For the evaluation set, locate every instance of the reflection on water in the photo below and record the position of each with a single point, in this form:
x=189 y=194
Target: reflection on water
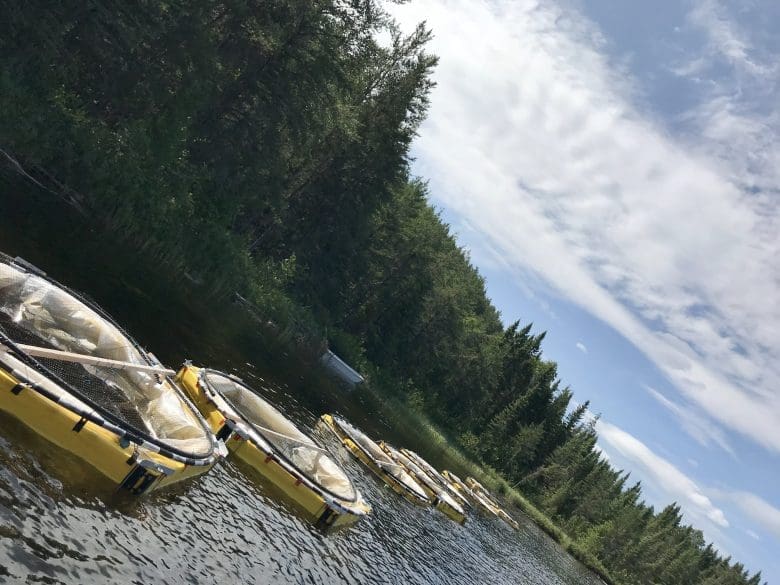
x=222 y=526
x=61 y=523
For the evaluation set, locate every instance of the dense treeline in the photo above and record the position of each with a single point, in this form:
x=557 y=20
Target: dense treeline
x=262 y=146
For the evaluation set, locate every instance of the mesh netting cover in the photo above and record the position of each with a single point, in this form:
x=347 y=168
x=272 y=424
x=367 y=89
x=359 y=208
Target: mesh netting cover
x=299 y=449
x=382 y=458
x=427 y=467
x=432 y=472
x=35 y=311
x=419 y=473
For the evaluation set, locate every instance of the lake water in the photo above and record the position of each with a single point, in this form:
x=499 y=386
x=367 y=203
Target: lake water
x=61 y=523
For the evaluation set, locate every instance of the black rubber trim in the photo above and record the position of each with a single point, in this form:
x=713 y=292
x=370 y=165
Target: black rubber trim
x=132 y=478
x=225 y=432
x=28 y=266
x=324 y=521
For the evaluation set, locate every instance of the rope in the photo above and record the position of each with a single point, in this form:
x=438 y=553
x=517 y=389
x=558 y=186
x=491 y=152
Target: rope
x=289 y=438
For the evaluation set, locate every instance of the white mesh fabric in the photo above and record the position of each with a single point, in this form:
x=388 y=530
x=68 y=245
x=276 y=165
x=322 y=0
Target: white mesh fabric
x=416 y=475
x=382 y=459
x=299 y=448
x=323 y=471
x=445 y=497
x=66 y=323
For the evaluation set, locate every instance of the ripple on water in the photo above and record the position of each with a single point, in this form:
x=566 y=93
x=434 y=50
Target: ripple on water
x=61 y=523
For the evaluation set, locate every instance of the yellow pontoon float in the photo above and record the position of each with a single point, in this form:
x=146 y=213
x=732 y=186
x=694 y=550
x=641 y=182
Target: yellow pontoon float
x=438 y=495
x=373 y=457
x=479 y=502
x=481 y=490
x=256 y=432
x=72 y=375
x=439 y=478
x=508 y=519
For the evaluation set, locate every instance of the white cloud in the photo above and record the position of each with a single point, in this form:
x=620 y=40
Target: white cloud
x=726 y=39
x=534 y=136
x=581 y=346
x=700 y=504
x=757 y=509
x=736 y=119
x=695 y=424
x=695 y=504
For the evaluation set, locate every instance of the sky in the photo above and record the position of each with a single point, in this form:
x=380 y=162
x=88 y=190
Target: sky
x=613 y=169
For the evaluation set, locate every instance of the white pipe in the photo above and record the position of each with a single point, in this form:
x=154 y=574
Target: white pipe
x=80 y=358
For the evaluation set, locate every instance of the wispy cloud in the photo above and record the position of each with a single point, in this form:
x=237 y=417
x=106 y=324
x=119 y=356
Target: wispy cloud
x=581 y=346
x=673 y=482
x=736 y=118
x=725 y=38
x=698 y=426
x=756 y=508
x=535 y=136
x=702 y=505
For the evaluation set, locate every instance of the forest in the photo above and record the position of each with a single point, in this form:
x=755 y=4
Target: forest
x=263 y=147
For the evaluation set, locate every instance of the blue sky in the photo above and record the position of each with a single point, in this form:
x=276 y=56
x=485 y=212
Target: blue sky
x=614 y=169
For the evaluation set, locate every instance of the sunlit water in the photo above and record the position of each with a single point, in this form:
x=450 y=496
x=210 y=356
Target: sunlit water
x=61 y=523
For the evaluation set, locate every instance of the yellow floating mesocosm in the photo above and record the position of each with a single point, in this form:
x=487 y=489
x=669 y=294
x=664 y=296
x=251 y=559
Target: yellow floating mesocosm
x=372 y=456
x=135 y=427
x=443 y=481
x=482 y=491
x=256 y=432
x=440 y=499
x=481 y=504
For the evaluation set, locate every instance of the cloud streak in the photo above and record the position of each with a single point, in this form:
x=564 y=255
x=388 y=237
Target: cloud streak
x=725 y=39
x=701 y=505
x=757 y=509
x=697 y=426
x=671 y=480
x=535 y=137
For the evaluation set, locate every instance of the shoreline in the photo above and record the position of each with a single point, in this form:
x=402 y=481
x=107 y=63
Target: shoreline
x=420 y=426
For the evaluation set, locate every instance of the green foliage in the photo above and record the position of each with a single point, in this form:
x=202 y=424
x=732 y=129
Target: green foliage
x=262 y=147
x=469 y=442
